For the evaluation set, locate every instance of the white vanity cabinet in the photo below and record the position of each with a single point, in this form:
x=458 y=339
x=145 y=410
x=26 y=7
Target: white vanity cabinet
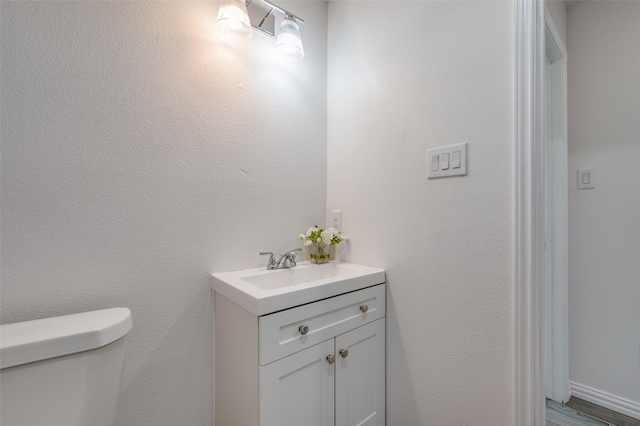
x=318 y=364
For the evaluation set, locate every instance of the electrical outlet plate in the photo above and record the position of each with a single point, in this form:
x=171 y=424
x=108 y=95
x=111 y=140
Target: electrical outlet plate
x=447 y=161
x=337 y=219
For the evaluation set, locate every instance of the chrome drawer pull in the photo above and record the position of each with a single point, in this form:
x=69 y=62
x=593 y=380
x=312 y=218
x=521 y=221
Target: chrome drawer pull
x=331 y=359
x=344 y=353
x=364 y=308
x=304 y=329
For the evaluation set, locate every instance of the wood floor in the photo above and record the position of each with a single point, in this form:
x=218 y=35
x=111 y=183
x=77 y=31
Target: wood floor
x=582 y=413
x=561 y=415
x=605 y=414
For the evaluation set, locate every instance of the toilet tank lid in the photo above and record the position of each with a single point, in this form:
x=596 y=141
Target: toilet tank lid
x=30 y=341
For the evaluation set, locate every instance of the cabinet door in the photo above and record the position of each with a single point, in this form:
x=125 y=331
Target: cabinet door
x=299 y=389
x=360 y=376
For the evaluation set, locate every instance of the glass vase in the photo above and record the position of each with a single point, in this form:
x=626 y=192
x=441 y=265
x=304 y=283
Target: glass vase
x=319 y=253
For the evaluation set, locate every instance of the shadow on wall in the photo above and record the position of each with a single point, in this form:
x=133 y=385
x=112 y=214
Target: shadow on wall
x=399 y=376
x=176 y=361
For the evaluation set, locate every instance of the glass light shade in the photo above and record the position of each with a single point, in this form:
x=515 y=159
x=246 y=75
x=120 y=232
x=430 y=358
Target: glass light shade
x=289 y=43
x=233 y=19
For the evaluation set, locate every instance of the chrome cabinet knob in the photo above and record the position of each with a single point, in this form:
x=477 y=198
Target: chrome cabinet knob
x=331 y=359
x=303 y=329
x=364 y=308
x=344 y=353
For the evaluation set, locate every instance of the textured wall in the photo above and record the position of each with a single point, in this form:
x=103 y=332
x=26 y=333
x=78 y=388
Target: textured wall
x=404 y=77
x=142 y=151
x=604 y=222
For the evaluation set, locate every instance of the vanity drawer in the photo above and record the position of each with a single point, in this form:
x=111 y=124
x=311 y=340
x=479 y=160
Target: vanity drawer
x=290 y=331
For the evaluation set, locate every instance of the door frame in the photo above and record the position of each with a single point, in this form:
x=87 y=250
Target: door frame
x=529 y=407
x=556 y=302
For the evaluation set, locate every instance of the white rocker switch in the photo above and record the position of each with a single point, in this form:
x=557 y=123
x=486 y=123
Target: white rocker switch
x=435 y=163
x=444 y=161
x=455 y=160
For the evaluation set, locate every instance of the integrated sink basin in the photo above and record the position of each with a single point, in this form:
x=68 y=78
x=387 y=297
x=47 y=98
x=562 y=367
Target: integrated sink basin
x=262 y=292
x=282 y=278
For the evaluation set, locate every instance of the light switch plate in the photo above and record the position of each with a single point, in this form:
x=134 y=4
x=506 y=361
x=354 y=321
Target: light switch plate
x=435 y=156
x=586 y=178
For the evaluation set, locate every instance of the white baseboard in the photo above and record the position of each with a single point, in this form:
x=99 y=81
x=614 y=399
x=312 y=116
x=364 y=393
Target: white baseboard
x=606 y=400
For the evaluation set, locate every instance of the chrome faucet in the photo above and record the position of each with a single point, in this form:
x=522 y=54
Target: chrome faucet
x=287 y=260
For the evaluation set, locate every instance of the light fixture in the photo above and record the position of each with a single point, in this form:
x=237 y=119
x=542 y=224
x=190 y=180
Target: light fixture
x=236 y=18
x=233 y=19
x=288 y=42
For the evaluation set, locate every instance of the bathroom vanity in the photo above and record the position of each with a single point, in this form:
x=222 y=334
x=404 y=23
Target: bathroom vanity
x=303 y=346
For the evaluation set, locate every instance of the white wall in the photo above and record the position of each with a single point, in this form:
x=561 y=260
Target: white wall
x=604 y=226
x=142 y=151
x=404 y=77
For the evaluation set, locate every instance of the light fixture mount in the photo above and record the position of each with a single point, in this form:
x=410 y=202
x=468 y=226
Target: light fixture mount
x=261 y=15
x=284 y=11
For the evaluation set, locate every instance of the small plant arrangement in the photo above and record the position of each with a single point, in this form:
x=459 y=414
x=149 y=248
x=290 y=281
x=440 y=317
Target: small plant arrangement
x=319 y=242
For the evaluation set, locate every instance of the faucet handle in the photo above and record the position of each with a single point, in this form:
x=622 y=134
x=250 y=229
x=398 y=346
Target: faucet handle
x=292 y=254
x=272 y=260
x=288 y=260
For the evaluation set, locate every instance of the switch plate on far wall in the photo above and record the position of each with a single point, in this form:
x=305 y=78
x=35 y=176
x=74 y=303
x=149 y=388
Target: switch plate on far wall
x=447 y=161
x=586 y=178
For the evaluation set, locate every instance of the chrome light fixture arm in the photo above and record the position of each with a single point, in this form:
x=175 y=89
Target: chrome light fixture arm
x=284 y=11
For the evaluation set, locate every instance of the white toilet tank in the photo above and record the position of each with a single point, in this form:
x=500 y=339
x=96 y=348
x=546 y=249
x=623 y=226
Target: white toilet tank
x=63 y=371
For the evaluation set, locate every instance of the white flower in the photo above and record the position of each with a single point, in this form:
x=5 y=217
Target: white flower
x=326 y=236
x=302 y=237
x=334 y=232
x=312 y=229
x=307 y=243
x=318 y=240
x=344 y=237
